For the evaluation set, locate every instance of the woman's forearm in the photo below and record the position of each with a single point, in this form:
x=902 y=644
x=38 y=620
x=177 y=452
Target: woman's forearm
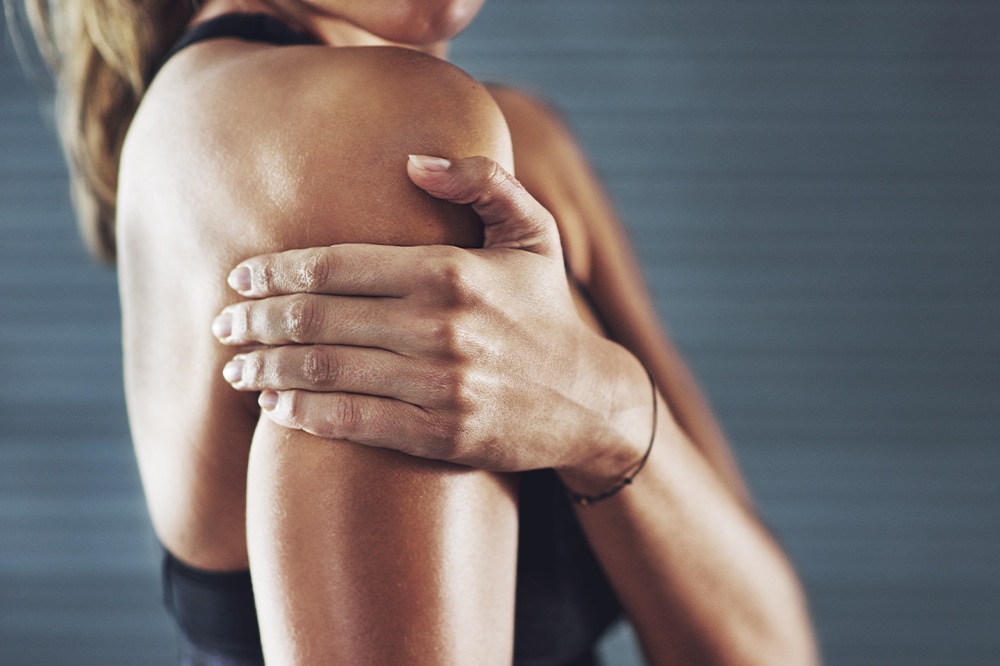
x=700 y=577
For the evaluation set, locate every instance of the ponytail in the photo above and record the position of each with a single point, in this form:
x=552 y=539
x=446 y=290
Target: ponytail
x=102 y=54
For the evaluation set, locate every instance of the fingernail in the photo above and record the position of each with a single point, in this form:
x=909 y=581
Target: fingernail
x=268 y=400
x=233 y=372
x=239 y=279
x=222 y=327
x=428 y=163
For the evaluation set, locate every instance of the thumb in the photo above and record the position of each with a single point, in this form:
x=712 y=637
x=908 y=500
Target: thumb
x=512 y=217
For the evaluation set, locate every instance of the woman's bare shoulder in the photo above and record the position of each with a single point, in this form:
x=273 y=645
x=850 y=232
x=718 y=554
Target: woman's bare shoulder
x=533 y=119
x=253 y=82
x=289 y=132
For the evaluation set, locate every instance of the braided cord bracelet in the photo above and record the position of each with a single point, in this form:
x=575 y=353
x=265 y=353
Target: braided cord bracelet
x=587 y=500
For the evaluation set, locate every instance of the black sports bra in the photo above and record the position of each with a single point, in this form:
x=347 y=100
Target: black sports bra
x=249 y=27
x=564 y=602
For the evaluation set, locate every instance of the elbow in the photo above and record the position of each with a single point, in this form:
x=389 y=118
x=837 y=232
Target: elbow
x=781 y=634
x=773 y=630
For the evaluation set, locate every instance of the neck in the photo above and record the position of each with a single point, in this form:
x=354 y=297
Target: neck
x=330 y=28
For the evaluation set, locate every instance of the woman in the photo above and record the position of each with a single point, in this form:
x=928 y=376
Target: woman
x=266 y=134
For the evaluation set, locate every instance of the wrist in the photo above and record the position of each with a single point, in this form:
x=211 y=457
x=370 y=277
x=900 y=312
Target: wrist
x=612 y=448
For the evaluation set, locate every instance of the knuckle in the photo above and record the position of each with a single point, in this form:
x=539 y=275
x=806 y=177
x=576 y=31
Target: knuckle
x=446 y=273
x=456 y=339
x=253 y=369
x=318 y=368
x=457 y=444
x=496 y=175
x=347 y=415
x=503 y=195
x=293 y=408
x=456 y=432
x=459 y=391
x=452 y=279
x=314 y=272
x=264 y=279
x=502 y=188
x=302 y=411
x=302 y=318
x=488 y=172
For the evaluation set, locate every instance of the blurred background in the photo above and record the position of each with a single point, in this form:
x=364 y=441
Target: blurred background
x=813 y=190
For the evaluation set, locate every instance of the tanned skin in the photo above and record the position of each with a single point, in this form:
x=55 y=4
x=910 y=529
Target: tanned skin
x=362 y=554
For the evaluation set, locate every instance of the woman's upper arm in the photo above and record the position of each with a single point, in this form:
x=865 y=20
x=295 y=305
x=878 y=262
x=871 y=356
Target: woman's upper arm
x=238 y=150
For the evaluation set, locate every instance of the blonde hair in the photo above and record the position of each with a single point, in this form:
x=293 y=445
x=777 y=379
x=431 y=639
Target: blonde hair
x=102 y=54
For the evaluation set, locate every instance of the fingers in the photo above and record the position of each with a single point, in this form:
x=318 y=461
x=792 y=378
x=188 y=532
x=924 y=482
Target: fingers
x=324 y=368
x=392 y=325
x=362 y=419
x=513 y=218
x=315 y=319
x=348 y=270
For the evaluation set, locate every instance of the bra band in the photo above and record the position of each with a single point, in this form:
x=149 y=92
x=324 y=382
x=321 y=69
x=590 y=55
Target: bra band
x=214 y=610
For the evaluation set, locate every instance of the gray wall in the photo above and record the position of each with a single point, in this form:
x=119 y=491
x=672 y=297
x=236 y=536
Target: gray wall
x=812 y=188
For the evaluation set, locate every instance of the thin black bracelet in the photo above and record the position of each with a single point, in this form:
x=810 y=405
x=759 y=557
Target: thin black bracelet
x=587 y=500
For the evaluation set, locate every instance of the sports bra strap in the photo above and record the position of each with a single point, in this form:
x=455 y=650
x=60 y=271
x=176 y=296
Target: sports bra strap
x=248 y=27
